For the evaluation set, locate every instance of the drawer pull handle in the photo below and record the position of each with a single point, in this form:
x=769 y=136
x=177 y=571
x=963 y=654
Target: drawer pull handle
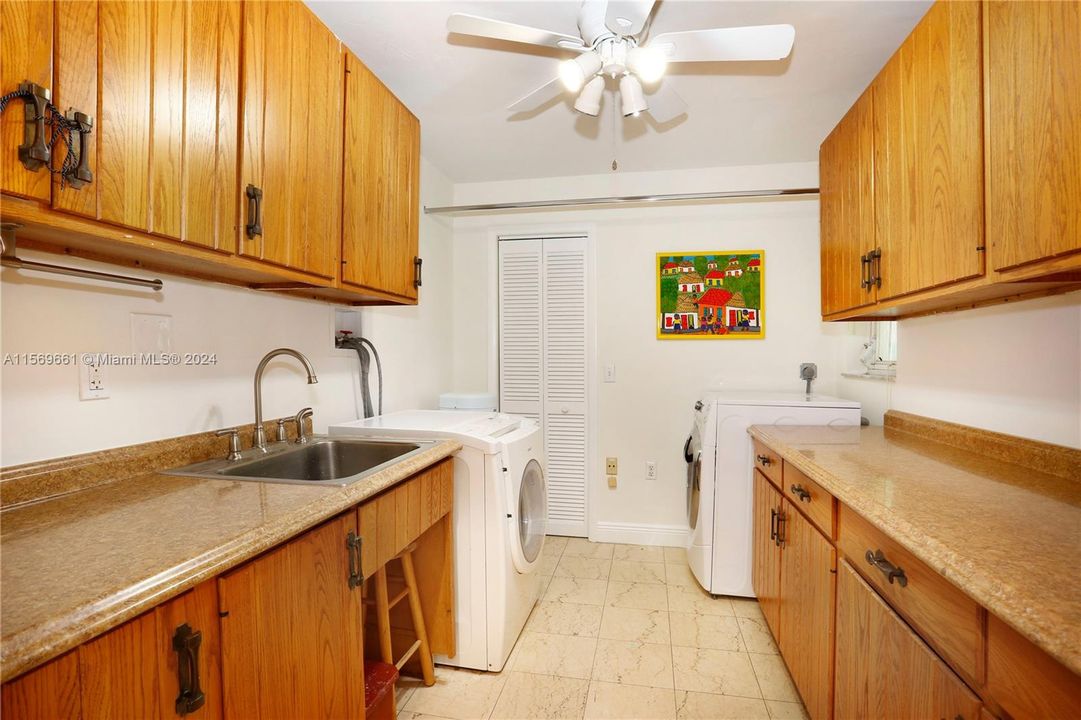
x=764 y=459
x=801 y=492
x=186 y=644
x=891 y=571
x=780 y=529
x=773 y=524
x=353 y=545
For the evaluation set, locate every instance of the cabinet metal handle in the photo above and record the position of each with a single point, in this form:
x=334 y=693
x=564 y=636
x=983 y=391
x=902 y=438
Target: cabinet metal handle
x=764 y=459
x=34 y=153
x=254 y=227
x=781 y=520
x=353 y=544
x=877 y=559
x=186 y=644
x=865 y=274
x=418 y=274
x=801 y=492
x=773 y=524
x=81 y=174
x=874 y=258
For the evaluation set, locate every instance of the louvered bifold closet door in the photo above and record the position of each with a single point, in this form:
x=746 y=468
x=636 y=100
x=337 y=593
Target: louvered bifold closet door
x=565 y=383
x=520 y=341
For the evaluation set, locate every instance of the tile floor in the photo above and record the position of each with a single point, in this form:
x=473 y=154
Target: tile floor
x=621 y=631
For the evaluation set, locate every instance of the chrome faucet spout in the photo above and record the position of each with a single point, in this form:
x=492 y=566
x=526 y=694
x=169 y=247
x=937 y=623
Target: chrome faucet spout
x=259 y=437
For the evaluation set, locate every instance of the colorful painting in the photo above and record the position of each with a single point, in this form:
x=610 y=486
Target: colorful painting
x=713 y=295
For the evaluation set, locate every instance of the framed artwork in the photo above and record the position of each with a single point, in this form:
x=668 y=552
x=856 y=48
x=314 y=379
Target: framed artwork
x=712 y=295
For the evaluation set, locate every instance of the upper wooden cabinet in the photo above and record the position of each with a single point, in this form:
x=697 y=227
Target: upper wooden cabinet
x=846 y=180
x=292 y=138
x=380 y=230
x=25 y=56
x=1033 y=130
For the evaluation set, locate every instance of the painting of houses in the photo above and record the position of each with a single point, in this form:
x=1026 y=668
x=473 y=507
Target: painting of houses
x=700 y=297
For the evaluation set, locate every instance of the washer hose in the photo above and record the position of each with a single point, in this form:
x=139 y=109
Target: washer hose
x=358 y=344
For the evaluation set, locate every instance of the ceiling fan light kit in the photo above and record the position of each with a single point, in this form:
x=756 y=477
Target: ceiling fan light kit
x=614 y=44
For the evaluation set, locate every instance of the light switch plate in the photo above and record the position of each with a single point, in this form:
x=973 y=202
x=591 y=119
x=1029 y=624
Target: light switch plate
x=609 y=373
x=611 y=481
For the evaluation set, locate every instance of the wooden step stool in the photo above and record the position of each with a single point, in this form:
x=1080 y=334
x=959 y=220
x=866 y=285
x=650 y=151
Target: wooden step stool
x=383 y=603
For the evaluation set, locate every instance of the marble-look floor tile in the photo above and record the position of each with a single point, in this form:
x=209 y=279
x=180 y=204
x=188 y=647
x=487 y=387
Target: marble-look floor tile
x=583 y=567
x=458 y=695
x=612 y=701
x=547 y=563
x=580 y=547
x=633 y=663
x=541 y=697
x=559 y=618
x=635 y=571
x=773 y=678
x=634 y=625
x=786 y=710
x=406 y=715
x=581 y=591
x=682 y=598
x=643 y=596
x=679 y=574
x=707 y=706
x=715 y=671
x=563 y=655
x=675 y=555
x=639 y=553
x=756 y=635
x=746 y=607
x=718 y=632
x=555 y=544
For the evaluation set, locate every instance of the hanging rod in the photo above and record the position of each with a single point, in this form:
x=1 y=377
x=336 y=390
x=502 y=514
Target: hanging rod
x=619 y=200
x=8 y=259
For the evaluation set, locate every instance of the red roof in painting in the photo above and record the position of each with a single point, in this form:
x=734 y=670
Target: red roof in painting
x=715 y=297
x=754 y=262
x=669 y=266
x=715 y=274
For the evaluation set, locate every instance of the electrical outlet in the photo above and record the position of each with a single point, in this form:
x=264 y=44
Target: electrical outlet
x=651 y=470
x=92 y=385
x=611 y=466
x=611 y=481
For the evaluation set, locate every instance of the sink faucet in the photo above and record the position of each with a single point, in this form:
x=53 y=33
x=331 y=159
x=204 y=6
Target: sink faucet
x=259 y=438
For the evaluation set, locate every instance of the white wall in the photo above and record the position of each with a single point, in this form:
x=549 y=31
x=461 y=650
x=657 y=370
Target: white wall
x=646 y=414
x=42 y=416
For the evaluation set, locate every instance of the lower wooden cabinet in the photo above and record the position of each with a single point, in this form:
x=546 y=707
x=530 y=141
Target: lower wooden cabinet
x=883 y=669
x=134 y=671
x=766 y=569
x=292 y=638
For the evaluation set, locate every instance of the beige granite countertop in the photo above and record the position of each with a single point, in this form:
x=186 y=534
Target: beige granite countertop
x=76 y=565
x=1006 y=535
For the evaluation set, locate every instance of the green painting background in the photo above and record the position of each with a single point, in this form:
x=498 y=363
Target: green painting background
x=750 y=284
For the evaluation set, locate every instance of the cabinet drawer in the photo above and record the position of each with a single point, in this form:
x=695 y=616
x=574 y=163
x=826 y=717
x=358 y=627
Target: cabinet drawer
x=768 y=462
x=945 y=617
x=807 y=495
x=1026 y=681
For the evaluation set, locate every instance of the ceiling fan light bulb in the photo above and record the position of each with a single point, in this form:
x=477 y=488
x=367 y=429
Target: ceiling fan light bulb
x=630 y=92
x=649 y=64
x=589 y=100
x=574 y=73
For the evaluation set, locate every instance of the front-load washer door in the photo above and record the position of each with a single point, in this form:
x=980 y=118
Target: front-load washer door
x=530 y=517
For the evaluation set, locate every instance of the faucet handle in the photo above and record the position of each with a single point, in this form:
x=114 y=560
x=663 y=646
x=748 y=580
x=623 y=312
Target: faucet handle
x=302 y=437
x=234 y=442
x=281 y=436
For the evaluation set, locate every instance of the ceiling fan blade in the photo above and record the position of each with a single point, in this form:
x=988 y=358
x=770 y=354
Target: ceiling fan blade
x=758 y=42
x=500 y=30
x=665 y=104
x=628 y=17
x=551 y=89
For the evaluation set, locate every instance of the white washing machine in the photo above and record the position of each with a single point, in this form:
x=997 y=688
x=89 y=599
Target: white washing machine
x=720 y=475
x=500 y=518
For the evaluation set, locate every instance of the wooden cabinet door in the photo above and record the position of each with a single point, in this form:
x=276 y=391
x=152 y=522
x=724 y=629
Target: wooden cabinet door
x=292 y=641
x=883 y=669
x=50 y=691
x=807 y=589
x=847 y=210
x=25 y=55
x=132 y=671
x=1033 y=88
x=292 y=136
x=928 y=154
x=766 y=569
x=380 y=230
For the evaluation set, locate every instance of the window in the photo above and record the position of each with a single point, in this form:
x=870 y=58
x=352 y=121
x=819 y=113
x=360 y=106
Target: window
x=880 y=357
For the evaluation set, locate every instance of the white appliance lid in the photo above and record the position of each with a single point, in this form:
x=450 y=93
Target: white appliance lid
x=775 y=398
x=477 y=429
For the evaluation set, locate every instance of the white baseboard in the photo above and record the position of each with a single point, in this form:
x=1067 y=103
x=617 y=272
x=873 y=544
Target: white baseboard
x=640 y=534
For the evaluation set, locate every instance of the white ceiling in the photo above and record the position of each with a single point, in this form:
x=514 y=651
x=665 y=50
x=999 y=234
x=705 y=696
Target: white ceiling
x=740 y=113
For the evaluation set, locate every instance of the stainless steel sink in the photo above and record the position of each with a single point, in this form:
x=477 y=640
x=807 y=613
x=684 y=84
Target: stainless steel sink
x=321 y=461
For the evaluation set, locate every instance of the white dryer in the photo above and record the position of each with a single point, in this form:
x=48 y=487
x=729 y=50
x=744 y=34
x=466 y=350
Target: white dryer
x=720 y=475
x=500 y=517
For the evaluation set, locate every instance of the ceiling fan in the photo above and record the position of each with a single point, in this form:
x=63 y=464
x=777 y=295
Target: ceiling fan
x=614 y=44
